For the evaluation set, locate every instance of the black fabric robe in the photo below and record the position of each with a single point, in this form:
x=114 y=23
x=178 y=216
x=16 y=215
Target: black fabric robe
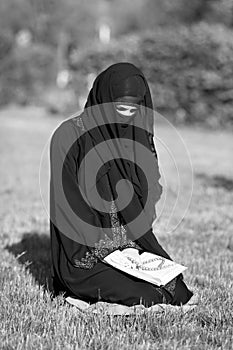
x=101 y=282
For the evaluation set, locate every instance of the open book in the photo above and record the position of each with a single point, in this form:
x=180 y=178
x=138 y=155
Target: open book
x=147 y=266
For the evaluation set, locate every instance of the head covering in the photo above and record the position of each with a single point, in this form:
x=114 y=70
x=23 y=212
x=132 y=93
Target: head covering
x=116 y=80
x=131 y=86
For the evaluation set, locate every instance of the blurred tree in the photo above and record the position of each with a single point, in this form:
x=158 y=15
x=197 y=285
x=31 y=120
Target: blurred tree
x=176 y=11
x=46 y=19
x=15 y=15
x=194 y=12
x=221 y=11
x=126 y=18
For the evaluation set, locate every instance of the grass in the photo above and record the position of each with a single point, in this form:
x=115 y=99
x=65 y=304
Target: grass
x=30 y=319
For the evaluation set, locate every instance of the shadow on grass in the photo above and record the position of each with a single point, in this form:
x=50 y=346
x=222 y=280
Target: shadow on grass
x=216 y=181
x=34 y=252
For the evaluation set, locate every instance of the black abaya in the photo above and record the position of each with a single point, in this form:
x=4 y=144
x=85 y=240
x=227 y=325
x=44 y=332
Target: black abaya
x=77 y=268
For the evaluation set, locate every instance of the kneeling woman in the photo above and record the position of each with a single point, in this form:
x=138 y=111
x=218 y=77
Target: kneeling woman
x=119 y=97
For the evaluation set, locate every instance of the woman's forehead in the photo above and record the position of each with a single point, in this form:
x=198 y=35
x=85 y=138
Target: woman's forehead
x=130 y=99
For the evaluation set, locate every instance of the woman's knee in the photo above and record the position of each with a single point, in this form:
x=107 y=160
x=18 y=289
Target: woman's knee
x=182 y=293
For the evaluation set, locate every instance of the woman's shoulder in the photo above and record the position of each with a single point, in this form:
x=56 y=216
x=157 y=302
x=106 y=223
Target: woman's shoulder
x=67 y=129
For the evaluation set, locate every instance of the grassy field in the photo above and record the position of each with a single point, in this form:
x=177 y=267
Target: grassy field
x=29 y=319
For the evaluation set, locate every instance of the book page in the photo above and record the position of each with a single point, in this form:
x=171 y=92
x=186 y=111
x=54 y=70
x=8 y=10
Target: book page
x=147 y=266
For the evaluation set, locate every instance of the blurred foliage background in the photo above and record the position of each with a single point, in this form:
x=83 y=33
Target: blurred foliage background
x=51 y=50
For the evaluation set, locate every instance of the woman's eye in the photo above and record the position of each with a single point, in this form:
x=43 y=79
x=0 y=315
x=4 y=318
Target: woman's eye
x=125 y=108
x=121 y=105
x=127 y=103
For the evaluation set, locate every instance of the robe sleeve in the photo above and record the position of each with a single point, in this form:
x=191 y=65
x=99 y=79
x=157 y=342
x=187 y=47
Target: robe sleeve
x=150 y=244
x=67 y=205
x=148 y=241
